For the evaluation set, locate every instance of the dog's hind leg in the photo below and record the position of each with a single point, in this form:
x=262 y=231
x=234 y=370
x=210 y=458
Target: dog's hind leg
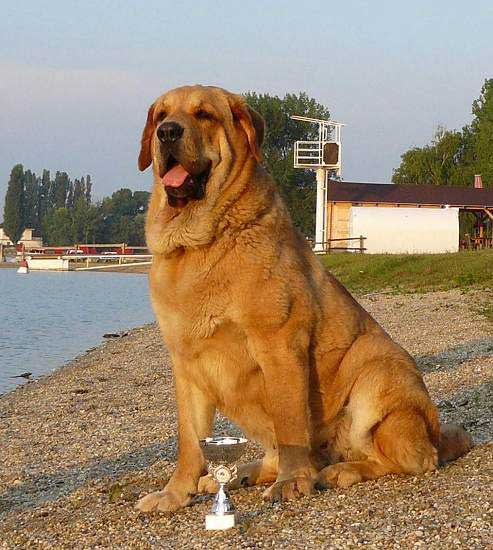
x=401 y=444
x=345 y=474
x=258 y=472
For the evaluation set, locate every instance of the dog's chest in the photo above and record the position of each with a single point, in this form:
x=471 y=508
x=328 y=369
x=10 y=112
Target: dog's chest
x=222 y=367
x=188 y=301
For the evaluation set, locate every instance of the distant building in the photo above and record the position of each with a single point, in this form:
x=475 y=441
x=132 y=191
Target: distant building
x=27 y=239
x=404 y=218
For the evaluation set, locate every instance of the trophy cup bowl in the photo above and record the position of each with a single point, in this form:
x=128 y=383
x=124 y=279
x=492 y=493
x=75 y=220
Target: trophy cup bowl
x=221 y=452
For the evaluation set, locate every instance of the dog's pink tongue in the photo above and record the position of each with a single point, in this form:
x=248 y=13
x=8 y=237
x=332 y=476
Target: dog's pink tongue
x=176 y=176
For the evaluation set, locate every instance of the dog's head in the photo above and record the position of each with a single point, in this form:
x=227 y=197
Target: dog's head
x=190 y=132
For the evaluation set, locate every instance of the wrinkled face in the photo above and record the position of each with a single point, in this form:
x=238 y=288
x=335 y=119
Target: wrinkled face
x=186 y=130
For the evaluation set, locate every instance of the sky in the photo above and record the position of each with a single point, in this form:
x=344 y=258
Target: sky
x=76 y=78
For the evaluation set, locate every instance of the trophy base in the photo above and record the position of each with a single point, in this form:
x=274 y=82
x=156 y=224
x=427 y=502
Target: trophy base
x=214 y=522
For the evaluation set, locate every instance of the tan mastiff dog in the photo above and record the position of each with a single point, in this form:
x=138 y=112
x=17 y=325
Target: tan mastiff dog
x=258 y=329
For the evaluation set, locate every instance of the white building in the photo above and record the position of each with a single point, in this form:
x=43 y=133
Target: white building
x=404 y=218
x=27 y=239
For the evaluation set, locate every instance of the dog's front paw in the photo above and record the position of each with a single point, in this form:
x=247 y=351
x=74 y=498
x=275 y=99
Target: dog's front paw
x=162 y=501
x=207 y=484
x=289 y=489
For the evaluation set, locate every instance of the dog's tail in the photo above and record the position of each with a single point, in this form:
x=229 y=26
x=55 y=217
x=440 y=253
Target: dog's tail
x=454 y=442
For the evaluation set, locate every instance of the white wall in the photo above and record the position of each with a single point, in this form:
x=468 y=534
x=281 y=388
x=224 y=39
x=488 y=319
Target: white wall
x=49 y=264
x=406 y=230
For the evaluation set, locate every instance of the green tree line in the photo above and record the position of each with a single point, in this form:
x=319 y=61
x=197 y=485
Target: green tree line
x=62 y=212
x=453 y=157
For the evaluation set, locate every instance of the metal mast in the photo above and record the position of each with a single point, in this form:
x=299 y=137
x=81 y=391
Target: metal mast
x=322 y=156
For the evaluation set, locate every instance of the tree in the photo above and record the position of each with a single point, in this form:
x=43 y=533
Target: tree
x=31 y=196
x=88 y=189
x=61 y=185
x=141 y=200
x=44 y=203
x=138 y=234
x=78 y=190
x=481 y=131
x=122 y=202
x=93 y=224
x=435 y=164
x=13 y=213
x=85 y=221
x=36 y=203
x=70 y=196
x=454 y=157
x=298 y=187
x=123 y=217
x=57 y=227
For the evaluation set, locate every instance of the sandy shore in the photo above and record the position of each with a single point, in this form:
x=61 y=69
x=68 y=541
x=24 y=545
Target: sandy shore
x=79 y=446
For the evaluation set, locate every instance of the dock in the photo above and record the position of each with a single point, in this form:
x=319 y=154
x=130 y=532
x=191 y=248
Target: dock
x=87 y=262
x=82 y=257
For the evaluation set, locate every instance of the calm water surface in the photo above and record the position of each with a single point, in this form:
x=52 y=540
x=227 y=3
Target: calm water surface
x=48 y=318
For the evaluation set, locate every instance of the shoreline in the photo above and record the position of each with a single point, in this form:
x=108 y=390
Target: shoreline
x=101 y=347
x=80 y=445
x=109 y=269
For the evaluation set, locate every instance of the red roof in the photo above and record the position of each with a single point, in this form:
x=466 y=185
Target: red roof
x=440 y=195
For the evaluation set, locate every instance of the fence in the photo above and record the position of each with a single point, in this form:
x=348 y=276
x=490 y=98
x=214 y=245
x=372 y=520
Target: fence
x=328 y=247
x=117 y=260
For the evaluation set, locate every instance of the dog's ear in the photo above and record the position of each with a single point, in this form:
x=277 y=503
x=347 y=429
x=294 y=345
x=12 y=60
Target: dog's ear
x=251 y=123
x=145 y=156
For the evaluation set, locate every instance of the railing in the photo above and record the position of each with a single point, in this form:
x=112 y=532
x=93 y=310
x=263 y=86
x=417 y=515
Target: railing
x=327 y=246
x=308 y=153
x=475 y=243
x=110 y=260
x=124 y=247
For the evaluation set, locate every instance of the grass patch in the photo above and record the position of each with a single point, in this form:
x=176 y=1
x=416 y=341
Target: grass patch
x=412 y=272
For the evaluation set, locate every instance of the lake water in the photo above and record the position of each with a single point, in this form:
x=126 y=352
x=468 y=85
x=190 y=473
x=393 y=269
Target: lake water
x=48 y=318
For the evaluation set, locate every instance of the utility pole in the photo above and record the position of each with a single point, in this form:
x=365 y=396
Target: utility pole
x=323 y=156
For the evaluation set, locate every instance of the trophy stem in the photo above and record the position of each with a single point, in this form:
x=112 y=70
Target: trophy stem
x=223 y=515
x=222 y=502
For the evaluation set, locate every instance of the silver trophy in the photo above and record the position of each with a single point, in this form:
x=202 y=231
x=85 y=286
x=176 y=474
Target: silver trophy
x=221 y=452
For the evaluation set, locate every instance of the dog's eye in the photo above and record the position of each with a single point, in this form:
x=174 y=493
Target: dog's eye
x=203 y=115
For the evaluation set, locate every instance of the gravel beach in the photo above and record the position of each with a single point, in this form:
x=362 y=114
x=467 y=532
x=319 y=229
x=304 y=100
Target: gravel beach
x=78 y=447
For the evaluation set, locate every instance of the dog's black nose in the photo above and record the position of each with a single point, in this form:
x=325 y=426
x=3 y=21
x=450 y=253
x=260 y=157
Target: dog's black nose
x=169 y=132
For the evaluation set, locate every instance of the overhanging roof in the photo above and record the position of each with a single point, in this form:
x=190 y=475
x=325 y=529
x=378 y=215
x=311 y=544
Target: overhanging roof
x=433 y=195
